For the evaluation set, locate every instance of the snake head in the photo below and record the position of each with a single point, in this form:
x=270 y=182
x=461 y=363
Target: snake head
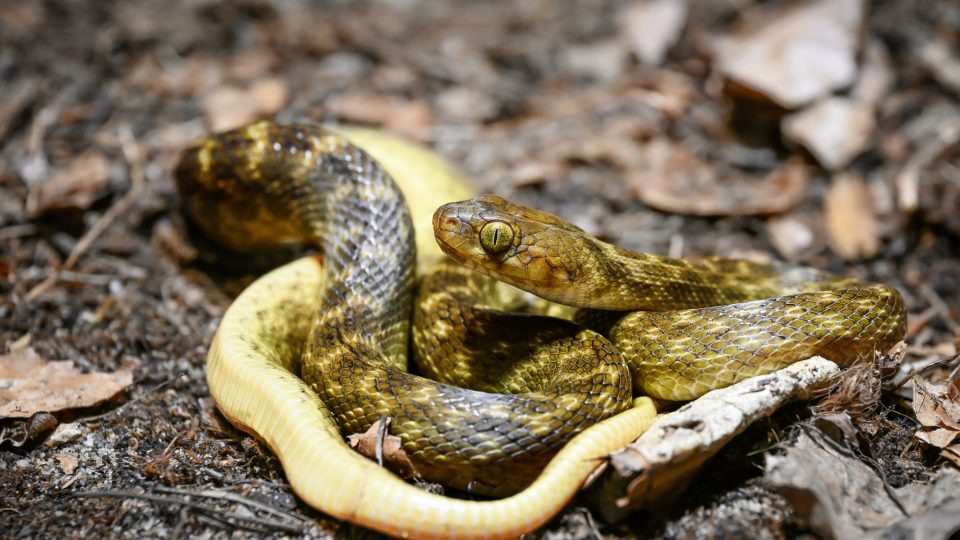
x=527 y=248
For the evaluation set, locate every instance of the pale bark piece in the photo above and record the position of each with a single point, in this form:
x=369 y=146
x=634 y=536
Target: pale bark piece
x=853 y=230
x=943 y=63
x=651 y=27
x=876 y=75
x=33 y=385
x=601 y=61
x=797 y=54
x=835 y=130
x=669 y=177
x=652 y=471
x=791 y=236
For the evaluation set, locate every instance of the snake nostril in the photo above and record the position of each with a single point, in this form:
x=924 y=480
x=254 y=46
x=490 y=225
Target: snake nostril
x=451 y=223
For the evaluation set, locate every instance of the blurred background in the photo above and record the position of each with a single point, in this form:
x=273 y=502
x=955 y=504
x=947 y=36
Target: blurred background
x=825 y=133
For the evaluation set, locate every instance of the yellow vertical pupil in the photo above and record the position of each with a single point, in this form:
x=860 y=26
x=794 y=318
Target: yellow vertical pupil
x=496 y=236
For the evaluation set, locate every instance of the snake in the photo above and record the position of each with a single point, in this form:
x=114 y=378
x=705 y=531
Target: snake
x=318 y=348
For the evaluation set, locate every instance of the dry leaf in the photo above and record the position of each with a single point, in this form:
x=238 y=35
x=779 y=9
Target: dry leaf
x=670 y=178
x=936 y=404
x=837 y=495
x=651 y=27
x=229 y=107
x=849 y=218
x=75 y=186
x=32 y=385
x=835 y=130
x=797 y=54
x=410 y=118
x=68 y=463
x=394 y=457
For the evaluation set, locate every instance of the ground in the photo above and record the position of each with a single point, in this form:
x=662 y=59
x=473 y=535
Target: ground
x=551 y=104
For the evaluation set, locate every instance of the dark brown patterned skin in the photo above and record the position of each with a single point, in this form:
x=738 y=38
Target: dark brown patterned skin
x=706 y=323
x=268 y=184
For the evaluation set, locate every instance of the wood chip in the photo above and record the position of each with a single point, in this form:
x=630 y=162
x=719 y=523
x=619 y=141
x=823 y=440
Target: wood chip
x=797 y=54
x=651 y=27
x=791 y=236
x=850 y=219
x=835 y=130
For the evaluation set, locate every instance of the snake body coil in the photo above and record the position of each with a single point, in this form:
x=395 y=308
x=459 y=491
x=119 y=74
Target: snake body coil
x=329 y=193
x=343 y=326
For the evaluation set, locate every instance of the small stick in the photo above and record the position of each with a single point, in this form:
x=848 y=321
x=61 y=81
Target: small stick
x=256 y=524
x=131 y=152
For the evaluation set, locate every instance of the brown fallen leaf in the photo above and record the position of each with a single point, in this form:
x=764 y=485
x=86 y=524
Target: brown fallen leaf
x=796 y=54
x=835 y=130
x=67 y=462
x=391 y=453
x=937 y=406
x=850 y=220
x=836 y=495
x=411 y=118
x=671 y=178
x=228 y=107
x=34 y=385
x=75 y=186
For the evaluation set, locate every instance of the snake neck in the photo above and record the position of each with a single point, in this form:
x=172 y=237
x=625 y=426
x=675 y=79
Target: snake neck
x=366 y=235
x=629 y=280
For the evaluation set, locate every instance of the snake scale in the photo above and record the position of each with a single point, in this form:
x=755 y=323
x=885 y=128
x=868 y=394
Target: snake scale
x=343 y=326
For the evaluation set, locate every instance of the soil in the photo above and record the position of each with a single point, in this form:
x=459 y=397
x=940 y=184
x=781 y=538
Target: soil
x=529 y=99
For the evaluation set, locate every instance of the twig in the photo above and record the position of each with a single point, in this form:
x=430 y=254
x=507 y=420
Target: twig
x=942 y=308
x=16 y=231
x=921 y=369
x=226 y=519
x=131 y=152
x=381 y=435
x=233 y=497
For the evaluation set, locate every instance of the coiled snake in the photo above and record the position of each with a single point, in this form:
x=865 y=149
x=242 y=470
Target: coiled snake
x=343 y=327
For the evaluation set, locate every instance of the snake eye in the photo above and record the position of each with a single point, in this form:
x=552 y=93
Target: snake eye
x=496 y=237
